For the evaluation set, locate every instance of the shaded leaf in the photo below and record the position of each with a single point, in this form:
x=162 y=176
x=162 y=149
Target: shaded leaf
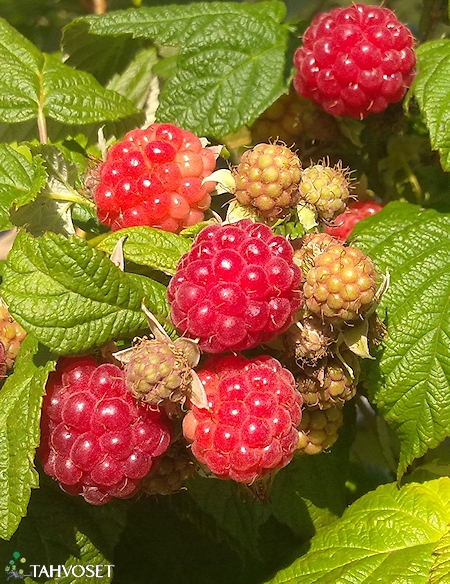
x=21 y=178
x=63 y=532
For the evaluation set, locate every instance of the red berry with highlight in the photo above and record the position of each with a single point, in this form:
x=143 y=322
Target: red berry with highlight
x=97 y=441
x=355 y=60
x=249 y=427
x=237 y=287
x=155 y=177
x=344 y=223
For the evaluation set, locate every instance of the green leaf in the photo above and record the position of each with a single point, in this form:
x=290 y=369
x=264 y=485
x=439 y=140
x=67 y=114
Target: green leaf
x=21 y=179
x=75 y=97
x=20 y=413
x=20 y=62
x=389 y=535
x=71 y=296
x=175 y=549
x=431 y=91
x=51 y=210
x=36 y=85
x=62 y=531
x=150 y=247
x=411 y=381
x=441 y=565
x=231 y=62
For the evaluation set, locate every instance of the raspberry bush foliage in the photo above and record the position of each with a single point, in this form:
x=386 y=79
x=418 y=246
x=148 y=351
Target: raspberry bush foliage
x=224 y=340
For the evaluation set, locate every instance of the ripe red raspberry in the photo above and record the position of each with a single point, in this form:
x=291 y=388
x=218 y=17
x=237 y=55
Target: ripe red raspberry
x=236 y=288
x=96 y=440
x=355 y=60
x=154 y=177
x=249 y=428
x=355 y=212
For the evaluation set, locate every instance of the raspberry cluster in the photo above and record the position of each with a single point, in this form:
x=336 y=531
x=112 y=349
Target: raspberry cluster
x=355 y=60
x=236 y=288
x=155 y=177
x=250 y=425
x=97 y=441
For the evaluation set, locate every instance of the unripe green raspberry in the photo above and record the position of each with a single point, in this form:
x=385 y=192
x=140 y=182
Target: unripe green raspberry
x=170 y=471
x=308 y=340
x=158 y=372
x=326 y=189
x=330 y=385
x=11 y=336
x=318 y=430
x=292 y=118
x=267 y=179
x=341 y=285
x=309 y=247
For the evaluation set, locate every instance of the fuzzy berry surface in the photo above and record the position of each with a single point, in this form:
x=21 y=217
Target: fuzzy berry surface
x=249 y=427
x=157 y=372
x=327 y=386
x=154 y=177
x=236 y=288
x=267 y=179
x=341 y=285
x=345 y=222
x=355 y=60
x=326 y=189
x=318 y=430
x=97 y=441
